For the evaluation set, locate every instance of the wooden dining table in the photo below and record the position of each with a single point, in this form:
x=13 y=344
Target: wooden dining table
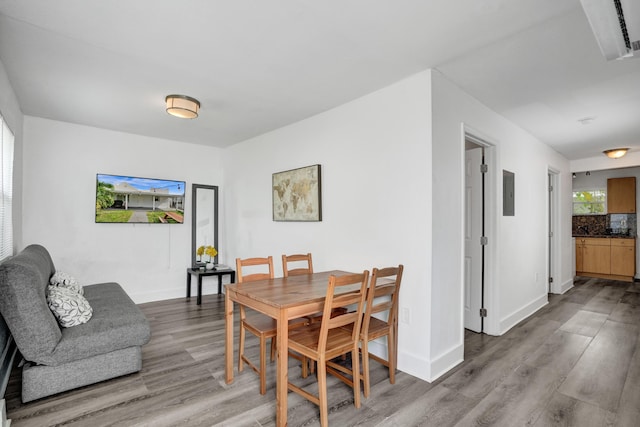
x=282 y=299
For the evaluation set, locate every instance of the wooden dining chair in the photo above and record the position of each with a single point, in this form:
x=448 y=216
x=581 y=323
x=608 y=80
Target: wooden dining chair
x=300 y=270
x=381 y=299
x=328 y=339
x=297 y=270
x=258 y=324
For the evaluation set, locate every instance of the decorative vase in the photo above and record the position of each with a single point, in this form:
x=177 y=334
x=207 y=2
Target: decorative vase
x=209 y=266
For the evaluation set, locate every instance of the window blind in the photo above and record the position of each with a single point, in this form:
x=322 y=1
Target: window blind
x=6 y=182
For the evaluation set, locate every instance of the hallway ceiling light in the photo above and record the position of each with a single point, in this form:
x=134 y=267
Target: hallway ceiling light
x=182 y=106
x=616 y=153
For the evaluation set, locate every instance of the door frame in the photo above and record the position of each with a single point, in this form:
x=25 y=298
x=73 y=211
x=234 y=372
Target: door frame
x=492 y=321
x=474 y=218
x=553 y=224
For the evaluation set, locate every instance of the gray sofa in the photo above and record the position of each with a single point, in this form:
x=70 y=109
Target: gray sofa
x=60 y=359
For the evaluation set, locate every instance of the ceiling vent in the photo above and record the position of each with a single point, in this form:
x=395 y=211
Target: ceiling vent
x=616 y=25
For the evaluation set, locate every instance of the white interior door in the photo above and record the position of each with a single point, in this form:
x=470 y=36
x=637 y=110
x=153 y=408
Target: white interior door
x=473 y=233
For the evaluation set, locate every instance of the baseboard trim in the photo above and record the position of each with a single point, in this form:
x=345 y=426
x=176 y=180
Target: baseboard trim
x=413 y=364
x=514 y=318
x=446 y=362
x=565 y=286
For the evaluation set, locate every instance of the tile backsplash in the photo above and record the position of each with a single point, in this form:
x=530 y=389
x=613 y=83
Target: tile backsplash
x=601 y=225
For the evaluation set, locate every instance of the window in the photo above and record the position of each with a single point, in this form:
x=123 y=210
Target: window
x=590 y=202
x=6 y=182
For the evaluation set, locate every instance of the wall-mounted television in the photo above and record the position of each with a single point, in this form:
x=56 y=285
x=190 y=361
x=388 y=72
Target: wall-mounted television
x=130 y=199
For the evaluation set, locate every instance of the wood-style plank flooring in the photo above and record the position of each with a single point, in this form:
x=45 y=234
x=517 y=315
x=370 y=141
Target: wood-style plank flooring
x=576 y=362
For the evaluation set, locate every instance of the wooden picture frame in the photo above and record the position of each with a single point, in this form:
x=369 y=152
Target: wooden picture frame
x=297 y=195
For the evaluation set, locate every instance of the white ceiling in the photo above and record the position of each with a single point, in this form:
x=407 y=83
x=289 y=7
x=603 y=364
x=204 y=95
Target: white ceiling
x=259 y=65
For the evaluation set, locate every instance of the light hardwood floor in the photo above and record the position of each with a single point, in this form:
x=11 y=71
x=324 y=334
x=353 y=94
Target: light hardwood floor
x=576 y=362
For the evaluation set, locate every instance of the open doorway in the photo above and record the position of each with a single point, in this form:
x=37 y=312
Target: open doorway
x=479 y=233
x=552 y=226
x=474 y=224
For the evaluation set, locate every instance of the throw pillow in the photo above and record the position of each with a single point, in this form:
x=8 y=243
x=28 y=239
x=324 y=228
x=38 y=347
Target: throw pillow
x=69 y=307
x=65 y=280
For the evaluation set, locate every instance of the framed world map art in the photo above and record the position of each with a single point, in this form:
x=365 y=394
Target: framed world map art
x=297 y=195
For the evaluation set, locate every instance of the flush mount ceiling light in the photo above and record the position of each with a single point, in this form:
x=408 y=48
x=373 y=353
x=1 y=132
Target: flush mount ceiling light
x=616 y=153
x=182 y=106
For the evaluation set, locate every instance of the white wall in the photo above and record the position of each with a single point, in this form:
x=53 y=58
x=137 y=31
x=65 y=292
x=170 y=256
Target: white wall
x=10 y=110
x=392 y=188
x=518 y=248
x=61 y=161
x=376 y=197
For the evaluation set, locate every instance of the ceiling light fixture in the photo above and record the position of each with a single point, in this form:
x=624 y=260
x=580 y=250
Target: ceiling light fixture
x=182 y=106
x=616 y=153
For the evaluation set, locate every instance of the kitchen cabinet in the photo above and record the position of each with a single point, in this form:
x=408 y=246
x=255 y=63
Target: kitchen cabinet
x=579 y=254
x=609 y=258
x=621 y=195
x=623 y=257
x=596 y=256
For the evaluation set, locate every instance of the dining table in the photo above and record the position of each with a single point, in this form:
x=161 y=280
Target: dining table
x=282 y=299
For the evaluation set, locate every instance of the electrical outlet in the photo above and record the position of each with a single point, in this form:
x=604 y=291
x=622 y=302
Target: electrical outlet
x=537 y=277
x=405 y=315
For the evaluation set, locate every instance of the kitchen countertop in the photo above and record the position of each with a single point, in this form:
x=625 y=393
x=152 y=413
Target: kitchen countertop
x=605 y=236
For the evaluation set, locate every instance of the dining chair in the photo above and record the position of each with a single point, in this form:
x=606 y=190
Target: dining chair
x=300 y=270
x=258 y=324
x=328 y=339
x=381 y=299
x=297 y=259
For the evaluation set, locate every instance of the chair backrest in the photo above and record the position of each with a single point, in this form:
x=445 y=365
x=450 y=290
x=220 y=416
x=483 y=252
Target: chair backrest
x=252 y=262
x=375 y=304
x=286 y=259
x=337 y=298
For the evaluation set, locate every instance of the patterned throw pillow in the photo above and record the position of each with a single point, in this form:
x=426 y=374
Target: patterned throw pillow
x=68 y=306
x=65 y=280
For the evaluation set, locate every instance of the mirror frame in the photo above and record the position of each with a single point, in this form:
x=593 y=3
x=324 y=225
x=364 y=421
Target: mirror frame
x=194 y=221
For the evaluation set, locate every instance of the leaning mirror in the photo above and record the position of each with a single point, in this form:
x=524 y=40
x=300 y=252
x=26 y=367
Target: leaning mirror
x=204 y=227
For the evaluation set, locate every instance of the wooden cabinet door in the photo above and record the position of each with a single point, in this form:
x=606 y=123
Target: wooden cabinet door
x=597 y=258
x=623 y=257
x=621 y=195
x=579 y=255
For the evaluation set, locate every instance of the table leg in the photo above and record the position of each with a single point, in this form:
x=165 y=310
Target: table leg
x=228 y=341
x=220 y=283
x=199 y=299
x=188 y=285
x=282 y=369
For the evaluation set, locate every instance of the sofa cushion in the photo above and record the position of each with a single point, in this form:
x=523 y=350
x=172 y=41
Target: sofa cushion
x=23 y=282
x=116 y=323
x=65 y=280
x=68 y=306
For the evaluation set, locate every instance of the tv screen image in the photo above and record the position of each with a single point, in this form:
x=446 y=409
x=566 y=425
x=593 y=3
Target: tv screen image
x=129 y=199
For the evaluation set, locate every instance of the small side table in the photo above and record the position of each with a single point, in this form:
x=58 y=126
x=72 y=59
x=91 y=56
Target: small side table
x=201 y=274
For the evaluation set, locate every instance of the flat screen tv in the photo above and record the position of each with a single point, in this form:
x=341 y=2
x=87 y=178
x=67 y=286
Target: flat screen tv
x=129 y=199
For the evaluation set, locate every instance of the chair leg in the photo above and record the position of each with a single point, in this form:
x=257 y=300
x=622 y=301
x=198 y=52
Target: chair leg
x=365 y=368
x=392 y=351
x=322 y=393
x=273 y=348
x=241 y=348
x=263 y=364
x=355 y=367
x=305 y=367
